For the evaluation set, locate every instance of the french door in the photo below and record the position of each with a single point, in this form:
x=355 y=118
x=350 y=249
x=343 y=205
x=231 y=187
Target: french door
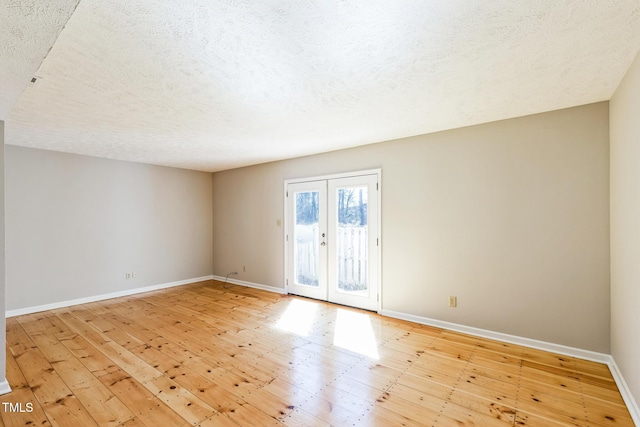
x=332 y=240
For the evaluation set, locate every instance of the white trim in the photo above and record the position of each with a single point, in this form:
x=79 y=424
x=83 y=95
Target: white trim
x=4 y=387
x=127 y=292
x=632 y=404
x=499 y=336
x=285 y=224
x=334 y=176
x=251 y=285
x=379 y=246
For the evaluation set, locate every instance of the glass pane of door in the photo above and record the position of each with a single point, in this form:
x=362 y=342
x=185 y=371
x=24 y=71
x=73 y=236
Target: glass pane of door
x=307 y=238
x=352 y=239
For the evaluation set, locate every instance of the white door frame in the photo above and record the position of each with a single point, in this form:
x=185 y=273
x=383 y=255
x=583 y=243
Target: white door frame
x=378 y=173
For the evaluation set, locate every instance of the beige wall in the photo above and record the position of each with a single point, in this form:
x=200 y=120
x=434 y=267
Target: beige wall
x=77 y=224
x=511 y=216
x=625 y=228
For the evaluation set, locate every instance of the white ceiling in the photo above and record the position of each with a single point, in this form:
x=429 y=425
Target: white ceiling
x=212 y=85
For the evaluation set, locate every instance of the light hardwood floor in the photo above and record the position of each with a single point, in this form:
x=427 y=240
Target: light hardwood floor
x=203 y=355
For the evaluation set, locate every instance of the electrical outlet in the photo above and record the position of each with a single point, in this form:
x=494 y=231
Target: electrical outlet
x=453 y=301
x=134 y=275
x=128 y=275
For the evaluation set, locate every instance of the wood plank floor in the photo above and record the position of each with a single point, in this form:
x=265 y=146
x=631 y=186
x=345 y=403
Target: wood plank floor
x=203 y=355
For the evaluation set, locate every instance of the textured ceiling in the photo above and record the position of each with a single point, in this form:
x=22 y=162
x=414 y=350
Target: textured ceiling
x=212 y=85
x=28 y=30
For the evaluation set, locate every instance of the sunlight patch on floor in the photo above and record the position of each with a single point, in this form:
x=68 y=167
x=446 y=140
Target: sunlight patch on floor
x=353 y=332
x=298 y=317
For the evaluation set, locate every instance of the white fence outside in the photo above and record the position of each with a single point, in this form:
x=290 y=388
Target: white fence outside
x=352 y=252
x=306 y=254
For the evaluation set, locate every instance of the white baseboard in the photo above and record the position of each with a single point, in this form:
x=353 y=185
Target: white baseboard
x=251 y=285
x=499 y=336
x=4 y=387
x=632 y=404
x=62 y=304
